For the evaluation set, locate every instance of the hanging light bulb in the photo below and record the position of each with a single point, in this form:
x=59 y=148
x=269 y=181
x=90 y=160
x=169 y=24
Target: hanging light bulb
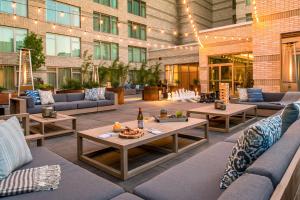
x=175 y=33
x=149 y=29
x=101 y=21
x=15 y=17
x=83 y=18
x=53 y=26
x=61 y=14
x=13 y=5
x=162 y=31
x=134 y=27
x=35 y=21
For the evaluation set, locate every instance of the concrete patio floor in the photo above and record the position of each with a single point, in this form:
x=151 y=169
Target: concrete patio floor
x=65 y=146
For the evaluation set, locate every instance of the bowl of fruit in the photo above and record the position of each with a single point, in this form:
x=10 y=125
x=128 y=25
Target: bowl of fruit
x=117 y=127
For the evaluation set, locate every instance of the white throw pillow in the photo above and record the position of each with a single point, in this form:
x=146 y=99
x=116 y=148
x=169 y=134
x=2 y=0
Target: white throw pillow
x=101 y=93
x=91 y=94
x=243 y=94
x=46 y=97
x=14 y=151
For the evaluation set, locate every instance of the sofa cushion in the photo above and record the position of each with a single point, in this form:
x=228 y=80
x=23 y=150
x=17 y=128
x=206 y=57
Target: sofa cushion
x=249 y=187
x=75 y=96
x=265 y=105
x=105 y=103
x=255 y=95
x=14 y=151
x=257 y=139
x=127 y=196
x=60 y=97
x=289 y=115
x=274 y=162
x=234 y=138
x=60 y=106
x=243 y=95
x=194 y=179
x=36 y=109
x=101 y=93
x=91 y=94
x=76 y=183
x=110 y=95
x=29 y=101
x=273 y=96
x=46 y=97
x=34 y=94
x=86 y=104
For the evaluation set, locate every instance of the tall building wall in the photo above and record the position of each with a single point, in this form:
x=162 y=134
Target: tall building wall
x=222 y=12
x=243 y=8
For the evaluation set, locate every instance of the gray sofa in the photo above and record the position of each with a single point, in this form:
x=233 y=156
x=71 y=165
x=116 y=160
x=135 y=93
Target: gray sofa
x=69 y=103
x=199 y=177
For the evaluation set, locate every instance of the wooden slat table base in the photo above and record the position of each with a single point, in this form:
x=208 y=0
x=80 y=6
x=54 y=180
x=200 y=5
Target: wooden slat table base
x=124 y=173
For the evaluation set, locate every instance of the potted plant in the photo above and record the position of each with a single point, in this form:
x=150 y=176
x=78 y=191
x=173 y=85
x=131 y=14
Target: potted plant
x=71 y=86
x=151 y=91
x=118 y=72
x=40 y=85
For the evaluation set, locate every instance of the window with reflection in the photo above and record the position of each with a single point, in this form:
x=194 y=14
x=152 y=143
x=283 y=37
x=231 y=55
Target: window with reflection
x=106 y=50
x=61 y=13
x=110 y=3
x=20 y=9
x=137 y=31
x=58 y=76
x=11 y=39
x=137 y=54
x=105 y=23
x=61 y=45
x=137 y=7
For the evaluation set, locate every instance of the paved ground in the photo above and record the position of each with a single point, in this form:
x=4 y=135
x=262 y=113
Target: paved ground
x=65 y=146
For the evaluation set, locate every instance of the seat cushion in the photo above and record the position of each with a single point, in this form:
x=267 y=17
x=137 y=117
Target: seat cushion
x=60 y=106
x=265 y=105
x=76 y=183
x=257 y=139
x=194 y=179
x=75 y=96
x=234 y=138
x=105 y=102
x=60 y=97
x=14 y=151
x=127 y=196
x=274 y=162
x=255 y=95
x=36 y=109
x=249 y=187
x=86 y=104
x=29 y=101
x=273 y=96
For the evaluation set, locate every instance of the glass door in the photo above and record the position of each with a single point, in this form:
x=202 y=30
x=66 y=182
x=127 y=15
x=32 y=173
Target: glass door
x=220 y=73
x=214 y=78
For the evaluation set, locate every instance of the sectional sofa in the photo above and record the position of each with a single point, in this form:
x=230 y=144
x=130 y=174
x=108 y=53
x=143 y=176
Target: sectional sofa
x=274 y=175
x=69 y=103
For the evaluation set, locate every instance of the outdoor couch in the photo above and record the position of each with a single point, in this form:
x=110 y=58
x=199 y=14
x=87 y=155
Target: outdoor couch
x=273 y=175
x=69 y=103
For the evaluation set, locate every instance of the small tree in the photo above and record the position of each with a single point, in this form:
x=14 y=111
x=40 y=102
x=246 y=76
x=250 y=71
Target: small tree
x=35 y=43
x=87 y=67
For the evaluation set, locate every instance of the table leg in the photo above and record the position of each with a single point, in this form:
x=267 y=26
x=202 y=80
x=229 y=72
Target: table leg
x=175 y=143
x=206 y=130
x=79 y=146
x=244 y=117
x=227 y=123
x=124 y=163
x=255 y=112
x=74 y=125
x=188 y=114
x=42 y=128
x=40 y=142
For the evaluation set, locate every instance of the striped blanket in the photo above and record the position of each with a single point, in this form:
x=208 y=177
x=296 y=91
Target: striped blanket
x=31 y=180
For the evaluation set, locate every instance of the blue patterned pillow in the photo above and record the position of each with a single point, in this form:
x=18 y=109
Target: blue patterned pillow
x=34 y=94
x=253 y=143
x=14 y=151
x=91 y=94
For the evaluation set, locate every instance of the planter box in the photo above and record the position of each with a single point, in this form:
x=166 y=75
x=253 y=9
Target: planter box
x=120 y=91
x=151 y=93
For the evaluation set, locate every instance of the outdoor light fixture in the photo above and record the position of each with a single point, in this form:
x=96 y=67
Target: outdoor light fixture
x=289 y=63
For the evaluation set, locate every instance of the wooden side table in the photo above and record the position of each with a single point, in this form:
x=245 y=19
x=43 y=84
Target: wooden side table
x=48 y=127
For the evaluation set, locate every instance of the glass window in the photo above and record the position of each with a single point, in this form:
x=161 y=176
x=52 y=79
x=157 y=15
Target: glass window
x=60 y=45
x=63 y=75
x=51 y=75
x=137 y=54
x=106 y=50
x=137 y=7
x=110 y=3
x=105 y=23
x=137 y=31
x=7 y=77
x=62 y=13
x=20 y=9
x=11 y=38
x=248 y=2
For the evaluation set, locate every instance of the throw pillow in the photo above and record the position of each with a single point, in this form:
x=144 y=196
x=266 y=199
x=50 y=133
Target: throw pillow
x=289 y=115
x=101 y=93
x=34 y=94
x=14 y=151
x=91 y=94
x=255 y=95
x=252 y=144
x=46 y=97
x=243 y=95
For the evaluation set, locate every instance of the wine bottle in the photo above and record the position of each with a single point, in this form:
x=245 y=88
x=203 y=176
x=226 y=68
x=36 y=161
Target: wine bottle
x=140 y=119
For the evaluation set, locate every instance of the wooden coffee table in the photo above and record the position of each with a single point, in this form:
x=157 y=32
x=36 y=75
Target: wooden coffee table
x=227 y=120
x=122 y=146
x=48 y=127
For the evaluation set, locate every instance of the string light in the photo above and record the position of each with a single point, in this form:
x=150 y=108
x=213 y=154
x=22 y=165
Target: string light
x=255 y=11
x=35 y=22
x=15 y=17
x=14 y=5
x=175 y=33
x=39 y=10
x=53 y=26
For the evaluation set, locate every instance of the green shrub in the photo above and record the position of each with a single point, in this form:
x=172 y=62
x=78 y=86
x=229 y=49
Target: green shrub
x=72 y=84
x=90 y=85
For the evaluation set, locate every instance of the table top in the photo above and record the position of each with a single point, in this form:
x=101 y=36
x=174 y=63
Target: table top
x=231 y=109
x=41 y=119
x=167 y=129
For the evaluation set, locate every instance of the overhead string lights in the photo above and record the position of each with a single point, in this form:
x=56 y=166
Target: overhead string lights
x=193 y=25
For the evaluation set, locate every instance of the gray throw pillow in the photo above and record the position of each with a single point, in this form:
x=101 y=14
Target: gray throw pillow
x=289 y=115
